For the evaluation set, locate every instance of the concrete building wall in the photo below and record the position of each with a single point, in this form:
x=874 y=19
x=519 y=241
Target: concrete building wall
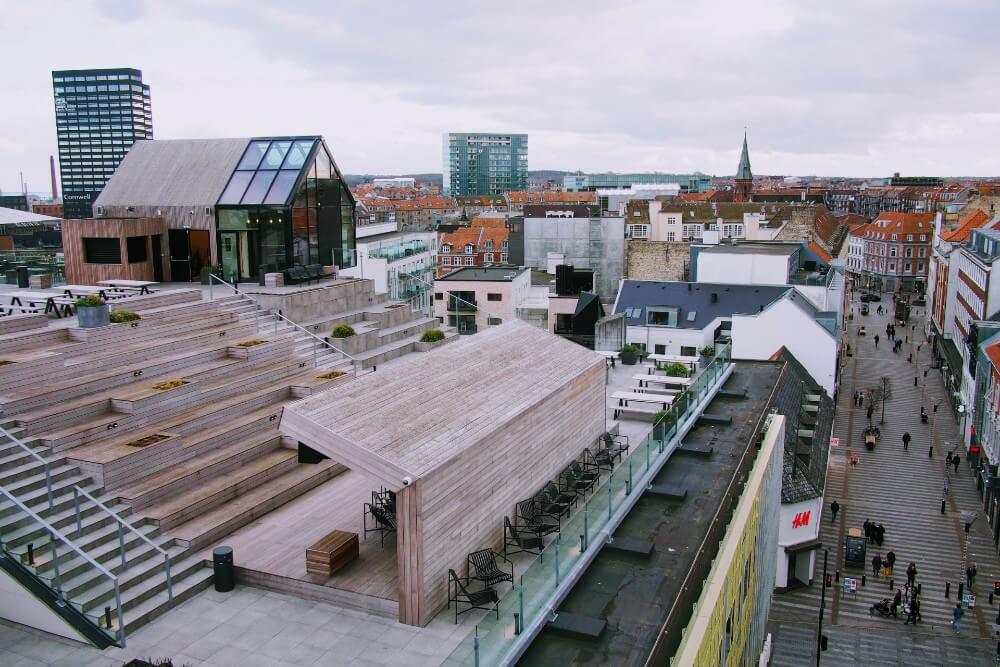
x=799 y=524
x=20 y=606
x=742 y=268
x=512 y=295
x=586 y=243
x=784 y=324
x=672 y=339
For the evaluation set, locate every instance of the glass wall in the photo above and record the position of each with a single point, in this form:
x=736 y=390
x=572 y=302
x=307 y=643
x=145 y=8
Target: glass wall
x=289 y=206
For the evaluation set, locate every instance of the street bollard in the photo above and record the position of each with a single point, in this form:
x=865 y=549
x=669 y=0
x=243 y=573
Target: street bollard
x=517 y=623
x=920 y=587
x=947 y=589
x=838 y=576
x=991 y=598
x=942 y=507
x=961 y=589
x=892 y=584
x=930 y=452
x=864 y=579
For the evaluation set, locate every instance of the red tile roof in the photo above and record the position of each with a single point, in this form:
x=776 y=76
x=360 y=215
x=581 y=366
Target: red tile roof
x=993 y=352
x=974 y=220
x=552 y=197
x=886 y=224
x=818 y=249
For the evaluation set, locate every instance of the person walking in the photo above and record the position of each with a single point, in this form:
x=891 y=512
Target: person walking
x=956 y=617
x=868 y=529
x=880 y=533
x=906 y=440
x=890 y=561
x=970 y=576
x=876 y=564
x=911 y=574
x=876 y=341
x=896 y=601
x=911 y=614
x=947 y=460
x=871 y=411
x=834 y=508
x=955 y=461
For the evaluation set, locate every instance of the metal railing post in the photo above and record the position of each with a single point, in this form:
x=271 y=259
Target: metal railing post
x=557 y=561
x=276 y=317
x=211 y=284
x=55 y=564
x=520 y=599
x=586 y=526
x=170 y=582
x=121 y=544
x=76 y=503
x=121 y=623
x=475 y=646
x=610 y=481
x=315 y=354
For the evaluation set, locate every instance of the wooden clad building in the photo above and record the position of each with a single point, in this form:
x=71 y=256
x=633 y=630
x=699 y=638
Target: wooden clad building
x=113 y=249
x=460 y=434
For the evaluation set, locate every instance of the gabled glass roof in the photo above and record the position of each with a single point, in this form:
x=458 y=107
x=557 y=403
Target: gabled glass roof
x=268 y=171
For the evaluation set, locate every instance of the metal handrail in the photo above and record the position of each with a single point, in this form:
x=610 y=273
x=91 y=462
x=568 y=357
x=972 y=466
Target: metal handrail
x=33 y=453
x=451 y=297
x=122 y=524
x=278 y=315
x=53 y=535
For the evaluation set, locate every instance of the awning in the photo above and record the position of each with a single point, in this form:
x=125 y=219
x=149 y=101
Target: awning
x=811 y=545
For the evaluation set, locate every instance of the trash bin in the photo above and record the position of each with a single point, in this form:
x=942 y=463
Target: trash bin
x=22 y=276
x=222 y=565
x=261 y=270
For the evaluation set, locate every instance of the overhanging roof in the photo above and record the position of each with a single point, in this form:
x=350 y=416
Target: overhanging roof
x=12 y=216
x=410 y=421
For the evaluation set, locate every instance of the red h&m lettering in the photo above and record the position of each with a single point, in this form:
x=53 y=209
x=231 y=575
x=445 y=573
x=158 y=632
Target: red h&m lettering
x=801 y=519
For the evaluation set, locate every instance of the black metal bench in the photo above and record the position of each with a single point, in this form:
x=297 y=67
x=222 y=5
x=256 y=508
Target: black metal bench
x=475 y=599
x=487 y=570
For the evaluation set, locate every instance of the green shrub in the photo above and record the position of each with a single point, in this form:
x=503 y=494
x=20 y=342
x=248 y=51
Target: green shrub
x=664 y=417
x=675 y=370
x=342 y=331
x=708 y=351
x=120 y=316
x=629 y=354
x=89 y=302
x=432 y=336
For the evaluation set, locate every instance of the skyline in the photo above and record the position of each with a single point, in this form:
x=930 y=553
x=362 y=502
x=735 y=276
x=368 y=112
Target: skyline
x=821 y=93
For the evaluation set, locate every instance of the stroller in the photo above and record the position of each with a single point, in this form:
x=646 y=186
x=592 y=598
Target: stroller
x=883 y=608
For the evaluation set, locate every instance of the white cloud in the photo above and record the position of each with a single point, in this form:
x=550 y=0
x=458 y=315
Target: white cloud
x=848 y=88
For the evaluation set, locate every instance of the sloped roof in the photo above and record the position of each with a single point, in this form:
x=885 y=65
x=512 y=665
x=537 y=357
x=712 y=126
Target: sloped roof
x=12 y=216
x=694 y=298
x=974 y=220
x=743 y=171
x=174 y=172
x=383 y=425
x=818 y=249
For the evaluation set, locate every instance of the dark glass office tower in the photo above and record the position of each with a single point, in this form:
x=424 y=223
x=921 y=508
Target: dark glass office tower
x=100 y=113
x=484 y=164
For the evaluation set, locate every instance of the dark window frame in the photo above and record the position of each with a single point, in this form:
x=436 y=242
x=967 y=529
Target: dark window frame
x=101 y=250
x=494 y=296
x=137 y=249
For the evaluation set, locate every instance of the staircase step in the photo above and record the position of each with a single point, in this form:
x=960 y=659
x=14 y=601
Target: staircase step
x=209 y=526
x=224 y=488
x=184 y=589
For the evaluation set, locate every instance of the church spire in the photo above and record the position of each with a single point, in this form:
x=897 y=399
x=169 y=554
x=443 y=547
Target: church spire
x=744 y=177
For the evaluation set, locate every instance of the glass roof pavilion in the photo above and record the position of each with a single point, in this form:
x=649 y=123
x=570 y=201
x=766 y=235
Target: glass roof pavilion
x=285 y=204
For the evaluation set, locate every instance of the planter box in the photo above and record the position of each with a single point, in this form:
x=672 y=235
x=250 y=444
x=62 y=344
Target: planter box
x=93 y=316
x=40 y=281
x=427 y=347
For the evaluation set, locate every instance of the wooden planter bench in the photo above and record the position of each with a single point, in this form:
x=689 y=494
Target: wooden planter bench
x=331 y=553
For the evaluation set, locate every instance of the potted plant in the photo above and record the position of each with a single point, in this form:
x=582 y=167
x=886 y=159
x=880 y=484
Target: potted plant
x=342 y=331
x=708 y=351
x=675 y=370
x=629 y=354
x=662 y=422
x=92 y=311
x=430 y=339
x=207 y=271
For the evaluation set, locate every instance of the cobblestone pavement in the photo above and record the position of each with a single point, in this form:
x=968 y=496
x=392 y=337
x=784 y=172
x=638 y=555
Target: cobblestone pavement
x=903 y=491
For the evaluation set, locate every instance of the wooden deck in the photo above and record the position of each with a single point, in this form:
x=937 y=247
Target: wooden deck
x=277 y=543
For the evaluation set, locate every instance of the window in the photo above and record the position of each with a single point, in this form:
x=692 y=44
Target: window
x=908 y=267
x=892 y=251
x=102 y=251
x=671 y=236
x=488 y=257
x=661 y=316
x=135 y=247
x=688 y=351
x=503 y=258
x=920 y=267
x=503 y=245
x=468 y=248
x=923 y=237
x=909 y=237
x=659 y=349
x=894 y=237
x=493 y=296
x=892 y=267
x=439 y=296
x=446 y=261
x=493 y=321
x=638 y=231
x=489 y=243
x=446 y=247
x=468 y=260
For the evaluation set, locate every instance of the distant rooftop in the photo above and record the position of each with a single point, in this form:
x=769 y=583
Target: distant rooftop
x=753 y=249
x=498 y=274
x=694 y=300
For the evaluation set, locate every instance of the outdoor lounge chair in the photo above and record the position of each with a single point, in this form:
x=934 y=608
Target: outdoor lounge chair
x=475 y=599
x=525 y=540
x=385 y=523
x=579 y=479
x=296 y=274
x=614 y=446
x=530 y=517
x=487 y=570
x=552 y=500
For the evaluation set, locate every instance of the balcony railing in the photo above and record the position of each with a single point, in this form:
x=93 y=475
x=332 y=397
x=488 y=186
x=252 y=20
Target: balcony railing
x=399 y=250
x=462 y=305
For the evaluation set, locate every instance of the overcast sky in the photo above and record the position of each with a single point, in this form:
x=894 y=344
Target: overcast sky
x=829 y=88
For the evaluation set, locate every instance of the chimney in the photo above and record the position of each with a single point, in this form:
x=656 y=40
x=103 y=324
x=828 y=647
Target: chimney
x=52 y=173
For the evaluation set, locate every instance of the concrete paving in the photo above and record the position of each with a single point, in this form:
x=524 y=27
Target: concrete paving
x=249 y=626
x=901 y=489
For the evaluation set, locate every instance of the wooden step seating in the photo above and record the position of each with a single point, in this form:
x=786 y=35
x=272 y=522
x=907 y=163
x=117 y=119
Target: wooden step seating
x=143 y=302
x=14 y=323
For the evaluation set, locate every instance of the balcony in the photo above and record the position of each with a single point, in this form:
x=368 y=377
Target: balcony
x=398 y=251
x=461 y=305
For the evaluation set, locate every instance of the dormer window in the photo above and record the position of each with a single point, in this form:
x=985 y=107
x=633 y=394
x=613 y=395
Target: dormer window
x=446 y=247
x=489 y=244
x=468 y=248
x=503 y=244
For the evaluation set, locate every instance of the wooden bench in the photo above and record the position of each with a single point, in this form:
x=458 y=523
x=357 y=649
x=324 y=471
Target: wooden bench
x=331 y=553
